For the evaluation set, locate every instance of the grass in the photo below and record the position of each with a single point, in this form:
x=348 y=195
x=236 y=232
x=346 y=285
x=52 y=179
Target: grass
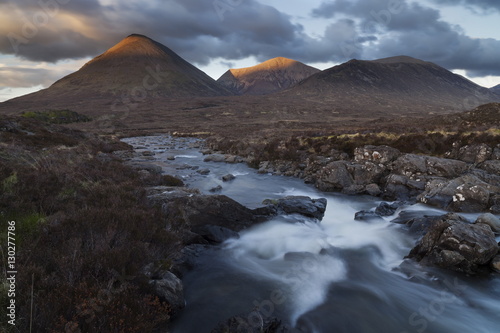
x=56 y=116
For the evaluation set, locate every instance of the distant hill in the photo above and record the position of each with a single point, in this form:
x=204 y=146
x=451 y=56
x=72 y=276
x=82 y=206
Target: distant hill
x=496 y=89
x=134 y=70
x=270 y=76
x=483 y=116
x=397 y=83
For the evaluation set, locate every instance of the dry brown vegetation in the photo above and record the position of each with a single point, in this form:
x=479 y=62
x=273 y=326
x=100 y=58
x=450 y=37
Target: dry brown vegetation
x=84 y=232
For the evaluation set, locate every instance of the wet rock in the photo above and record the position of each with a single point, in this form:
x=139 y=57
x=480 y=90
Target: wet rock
x=228 y=177
x=234 y=159
x=387 y=209
x=252 y=322
x=366 y=172
x=376 y=154
x=299 y=205
x=148 y=153
x=171 y=157
x=490 y=220
x=203 y=171
x=215 y=234
x=160 y=194
x=452 y=244
x=216 y=189
x=495 y=204
x=366 y=215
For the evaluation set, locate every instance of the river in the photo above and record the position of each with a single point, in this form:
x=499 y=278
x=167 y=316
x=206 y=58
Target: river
x=337 y=275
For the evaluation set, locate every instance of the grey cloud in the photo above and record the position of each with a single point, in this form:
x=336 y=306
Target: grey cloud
x=413 y=29
x=485 y=5
x=22 y=77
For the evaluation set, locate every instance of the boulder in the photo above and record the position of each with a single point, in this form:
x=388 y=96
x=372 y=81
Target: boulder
x=387 y=209
x=215 y=158
x=376 y=154
x=463 y=194
x=148 y=153
x=302 y=205
x=171 y=158
x=452 y=244
x=475 y=153
x=373 y=190
x=252 y=322
x=216 y=189
x=366 y=172
x=167 y=287
x=204 y=171
x=334 y=176
x=399 y=187
x=415 y=166
x=228 y=177
x=489 y=219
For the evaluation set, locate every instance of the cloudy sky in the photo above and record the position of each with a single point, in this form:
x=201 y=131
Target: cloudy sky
x=43 y=40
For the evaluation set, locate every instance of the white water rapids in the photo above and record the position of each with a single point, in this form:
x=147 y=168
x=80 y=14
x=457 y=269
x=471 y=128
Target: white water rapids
x=337 y=275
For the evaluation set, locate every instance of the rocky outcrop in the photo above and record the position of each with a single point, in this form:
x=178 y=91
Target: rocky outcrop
x=452 y=243
x=468 y=181
x=167 y=286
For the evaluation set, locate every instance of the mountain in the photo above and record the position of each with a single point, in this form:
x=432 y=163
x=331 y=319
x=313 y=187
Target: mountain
x=270 y=76
x=496 y=89
x=134 y=70
x=398 y=83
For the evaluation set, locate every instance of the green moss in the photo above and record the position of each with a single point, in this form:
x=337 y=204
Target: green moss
x=9 y=183
x=56 y=116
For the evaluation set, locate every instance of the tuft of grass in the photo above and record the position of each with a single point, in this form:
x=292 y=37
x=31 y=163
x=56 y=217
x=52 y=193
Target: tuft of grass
x=56 y=116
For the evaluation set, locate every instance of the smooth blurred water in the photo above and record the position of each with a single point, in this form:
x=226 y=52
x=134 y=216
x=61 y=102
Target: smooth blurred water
x=337 y=275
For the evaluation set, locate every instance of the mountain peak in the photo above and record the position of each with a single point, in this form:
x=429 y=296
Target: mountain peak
x=400 y=59
x=267 y=77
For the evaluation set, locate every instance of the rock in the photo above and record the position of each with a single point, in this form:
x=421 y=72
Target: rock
x=491 y=220
x=219 y=210
x=148 y=153
x=366 y=215
x=475 y=153
x=455 y=245
x=495 y=263
x=302 y=205
x=234 y=159
x=366 y=172
x=168 y=288
x=171 y=157
x=216 y=189
x=496 y=153
x=203 y=171
x=376 y=154
x=252 y=322
x=399 y=187
x=228 y=177
x=373 y=190
x=387 y=209
x=492 y=166
x=334 y=176
x=464 y=194
x=215 y=234
x=495 y=204
x=215 y=158
x=354 y=189
x=414 y=166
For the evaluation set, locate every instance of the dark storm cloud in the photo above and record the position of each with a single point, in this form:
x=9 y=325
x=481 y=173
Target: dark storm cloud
x=408 y=28
x=21 y=77
x=203 y=30
x=485 y=5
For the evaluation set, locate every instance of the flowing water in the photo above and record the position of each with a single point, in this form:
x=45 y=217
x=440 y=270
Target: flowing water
x=337 y=275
